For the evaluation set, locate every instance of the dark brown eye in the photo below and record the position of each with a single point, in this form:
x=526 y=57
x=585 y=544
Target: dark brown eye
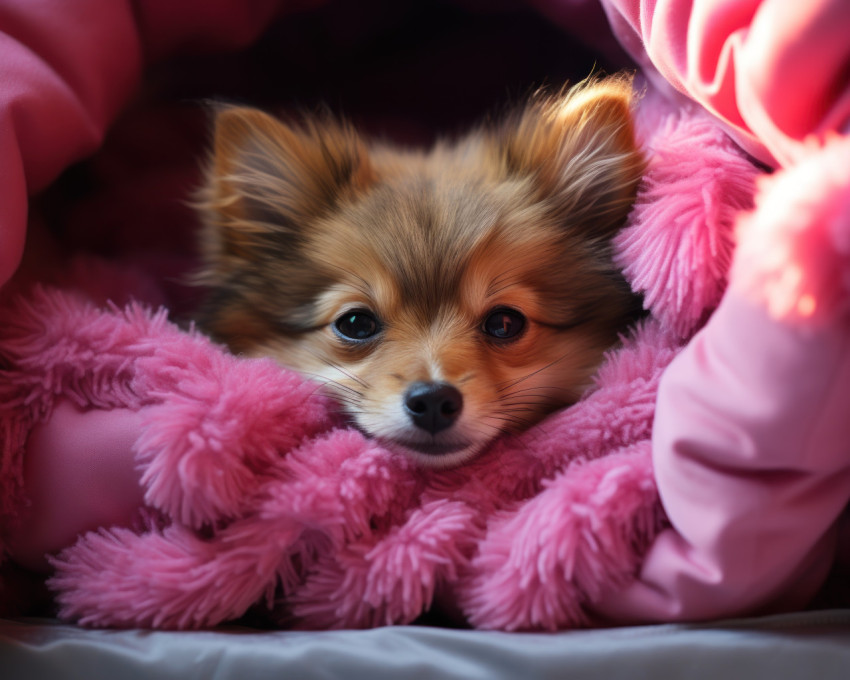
x=357 y=325
x=504 y=324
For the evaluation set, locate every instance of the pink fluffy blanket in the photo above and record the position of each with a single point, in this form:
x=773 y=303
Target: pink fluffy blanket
x=205 y=484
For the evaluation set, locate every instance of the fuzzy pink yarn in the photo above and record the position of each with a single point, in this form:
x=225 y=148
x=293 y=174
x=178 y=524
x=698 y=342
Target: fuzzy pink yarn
x=352 y=535
x=677 y=248
x=266 y=497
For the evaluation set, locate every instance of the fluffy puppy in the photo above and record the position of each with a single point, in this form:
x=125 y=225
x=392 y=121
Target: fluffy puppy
x=444 y=297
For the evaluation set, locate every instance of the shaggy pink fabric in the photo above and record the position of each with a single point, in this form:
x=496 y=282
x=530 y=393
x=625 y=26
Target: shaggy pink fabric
x=263 y=495
x=678 y=252
x=351 y=535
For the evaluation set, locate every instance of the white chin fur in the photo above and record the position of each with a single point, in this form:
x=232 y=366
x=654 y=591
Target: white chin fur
x=449 y=448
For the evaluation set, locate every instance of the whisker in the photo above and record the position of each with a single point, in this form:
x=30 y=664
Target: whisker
x=522 y=401
x=325 y=381
x=517 y=381
x=354 y=400
x=502 y=415
x=534 y=389
x=337 y=367
x=518 y=410
x=346 y=399
x=499 y=280
x=348 y=374
x=348 y=389
x=513 y=420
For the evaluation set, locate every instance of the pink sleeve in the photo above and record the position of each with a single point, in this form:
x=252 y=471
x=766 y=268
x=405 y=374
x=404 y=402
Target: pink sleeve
x=750 y=452
x=751 y=443
x=774 y=71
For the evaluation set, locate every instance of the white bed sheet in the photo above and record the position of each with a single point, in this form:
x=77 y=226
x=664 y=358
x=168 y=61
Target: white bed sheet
x=810 y=645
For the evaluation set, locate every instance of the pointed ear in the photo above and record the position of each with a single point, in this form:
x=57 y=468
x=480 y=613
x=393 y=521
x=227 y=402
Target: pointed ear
x=266 y=179
x=578 y=149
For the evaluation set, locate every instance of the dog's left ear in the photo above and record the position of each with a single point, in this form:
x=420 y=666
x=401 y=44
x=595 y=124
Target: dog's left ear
x=268 y=179
x=578 y=149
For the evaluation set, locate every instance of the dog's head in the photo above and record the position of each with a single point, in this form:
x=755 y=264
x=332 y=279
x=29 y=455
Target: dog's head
x=444 y=297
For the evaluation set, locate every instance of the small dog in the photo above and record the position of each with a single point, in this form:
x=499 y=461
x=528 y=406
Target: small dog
x=444 y=297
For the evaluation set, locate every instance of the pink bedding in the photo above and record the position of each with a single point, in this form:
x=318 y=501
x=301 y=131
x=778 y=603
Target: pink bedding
x=557 y=528
x=775 y=72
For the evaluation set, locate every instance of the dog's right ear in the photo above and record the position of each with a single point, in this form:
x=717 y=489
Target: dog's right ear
x=266 y=179
x=578 y=148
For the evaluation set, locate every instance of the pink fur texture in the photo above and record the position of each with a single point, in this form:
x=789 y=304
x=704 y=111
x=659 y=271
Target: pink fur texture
x=678 y=246
x=350 y=534
x=268 y=498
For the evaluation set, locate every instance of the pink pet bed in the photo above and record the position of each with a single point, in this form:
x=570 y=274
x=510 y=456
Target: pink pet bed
x=170 y=484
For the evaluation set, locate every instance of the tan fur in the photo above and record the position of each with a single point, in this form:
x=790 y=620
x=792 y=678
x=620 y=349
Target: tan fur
x=307 y=221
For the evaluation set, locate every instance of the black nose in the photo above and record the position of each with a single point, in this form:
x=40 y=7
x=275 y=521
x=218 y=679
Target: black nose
x=433 y=406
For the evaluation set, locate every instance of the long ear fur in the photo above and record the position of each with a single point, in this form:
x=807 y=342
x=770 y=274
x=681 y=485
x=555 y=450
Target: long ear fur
x=267 y=179
x=578 y=149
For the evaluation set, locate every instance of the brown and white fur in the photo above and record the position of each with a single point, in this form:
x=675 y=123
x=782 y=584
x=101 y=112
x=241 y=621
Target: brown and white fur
x=444 y=296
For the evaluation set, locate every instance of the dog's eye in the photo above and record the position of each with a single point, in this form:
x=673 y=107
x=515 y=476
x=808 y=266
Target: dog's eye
x=357 y=325
x=504 y=324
